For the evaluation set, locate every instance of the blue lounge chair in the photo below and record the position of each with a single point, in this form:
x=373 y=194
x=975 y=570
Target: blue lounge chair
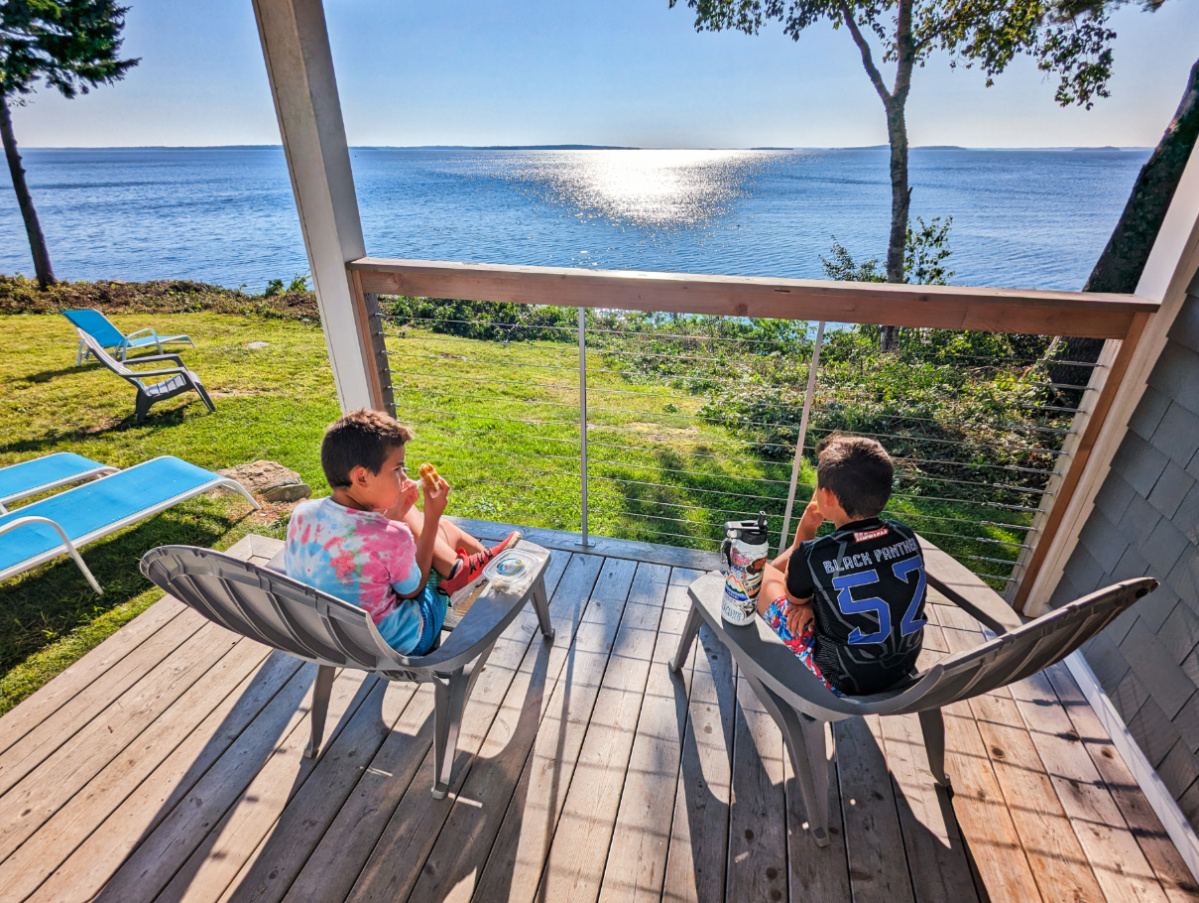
x=63 y=523
x=19 y=481
x=95 y=324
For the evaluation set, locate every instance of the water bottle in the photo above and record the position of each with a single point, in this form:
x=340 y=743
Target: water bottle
x=743 y=554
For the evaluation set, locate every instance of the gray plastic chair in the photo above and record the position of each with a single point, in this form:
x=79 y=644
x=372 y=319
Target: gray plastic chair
x=294 y=618
x=800 y=703
x=180 y=378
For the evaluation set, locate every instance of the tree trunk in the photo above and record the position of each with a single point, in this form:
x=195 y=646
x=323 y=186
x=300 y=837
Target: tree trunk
x=901 y=197
x=37 y=242
x=1122 y=261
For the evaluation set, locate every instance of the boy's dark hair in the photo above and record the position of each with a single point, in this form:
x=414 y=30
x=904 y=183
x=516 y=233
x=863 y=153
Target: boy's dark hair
x=359 y=438
x=858 y=471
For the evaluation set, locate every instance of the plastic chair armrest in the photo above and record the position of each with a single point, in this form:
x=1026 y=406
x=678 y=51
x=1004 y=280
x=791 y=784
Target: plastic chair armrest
x=151 y=358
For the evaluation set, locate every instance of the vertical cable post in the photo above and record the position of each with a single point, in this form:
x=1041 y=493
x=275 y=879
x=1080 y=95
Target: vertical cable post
x=583 y=418
x=803 y=433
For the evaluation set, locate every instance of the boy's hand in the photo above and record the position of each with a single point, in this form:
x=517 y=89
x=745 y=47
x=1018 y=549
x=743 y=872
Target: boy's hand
x=810 y=522
x=435 y=500
x=409 y=493
x=797 y=617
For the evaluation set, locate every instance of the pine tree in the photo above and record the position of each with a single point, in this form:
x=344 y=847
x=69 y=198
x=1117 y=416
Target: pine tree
x=70 y=45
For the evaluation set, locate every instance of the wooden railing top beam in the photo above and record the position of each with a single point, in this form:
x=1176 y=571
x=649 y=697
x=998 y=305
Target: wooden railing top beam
x=1092 y=315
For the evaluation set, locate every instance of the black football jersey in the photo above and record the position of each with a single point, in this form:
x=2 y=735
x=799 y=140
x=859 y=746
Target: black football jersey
x=867 y=585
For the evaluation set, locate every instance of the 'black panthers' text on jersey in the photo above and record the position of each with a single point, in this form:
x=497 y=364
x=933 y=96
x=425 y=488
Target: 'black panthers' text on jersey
x=867 y=583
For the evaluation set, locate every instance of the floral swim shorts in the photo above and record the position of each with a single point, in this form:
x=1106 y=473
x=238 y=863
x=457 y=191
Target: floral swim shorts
x=801 y=645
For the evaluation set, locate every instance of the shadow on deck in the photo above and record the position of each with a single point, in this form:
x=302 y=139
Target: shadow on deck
x=167 y=765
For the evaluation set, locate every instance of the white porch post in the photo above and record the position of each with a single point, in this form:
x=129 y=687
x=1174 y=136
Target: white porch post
x=300 y=67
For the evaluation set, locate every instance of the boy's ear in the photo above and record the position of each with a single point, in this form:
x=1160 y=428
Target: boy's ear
x=360 y=475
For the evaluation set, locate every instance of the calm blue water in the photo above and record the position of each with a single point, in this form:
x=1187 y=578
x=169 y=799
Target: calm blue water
x=226 y=215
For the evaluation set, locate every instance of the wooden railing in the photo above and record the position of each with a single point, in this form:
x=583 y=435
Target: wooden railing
x=1119 y=319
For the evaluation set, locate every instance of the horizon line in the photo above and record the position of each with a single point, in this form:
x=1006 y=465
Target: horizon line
x=517 y=147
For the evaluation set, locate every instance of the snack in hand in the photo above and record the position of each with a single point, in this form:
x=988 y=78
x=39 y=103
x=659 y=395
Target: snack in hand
x=429 y=474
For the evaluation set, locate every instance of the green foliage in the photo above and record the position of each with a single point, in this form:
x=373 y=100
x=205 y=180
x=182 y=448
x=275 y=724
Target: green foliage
x=925 y=254
x=1070 y=41
x=482 y=319
x=19 y=295
x=71 y=45
x=299 y=283
x=273 y=287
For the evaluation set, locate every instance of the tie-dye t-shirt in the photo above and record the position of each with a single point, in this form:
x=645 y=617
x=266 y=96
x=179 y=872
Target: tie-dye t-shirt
x=361 y=557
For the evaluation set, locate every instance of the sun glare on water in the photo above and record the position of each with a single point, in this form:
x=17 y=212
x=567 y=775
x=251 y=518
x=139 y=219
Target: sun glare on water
x=647 y=188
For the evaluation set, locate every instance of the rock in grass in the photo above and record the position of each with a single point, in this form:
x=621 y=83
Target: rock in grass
x=273 y=482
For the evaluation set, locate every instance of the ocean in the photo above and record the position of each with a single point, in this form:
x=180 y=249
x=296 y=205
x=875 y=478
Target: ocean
x=1021 y=218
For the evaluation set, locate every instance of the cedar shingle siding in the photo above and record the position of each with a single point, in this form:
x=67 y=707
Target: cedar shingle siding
x=1146 y=521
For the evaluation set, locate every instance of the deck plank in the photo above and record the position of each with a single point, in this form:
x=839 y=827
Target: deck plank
x=757 y=854
x=218 y=854
x=69 y=769
x=636 y=866
x=1161 y=854
x=984 y=820
x=512 y=870
x=1058 y=862
x=94 y=862
x=936 y=855
x=398 y=860
x=307 y=816
x=699 y=827
x=58 y=837
x=878 y=866
x=815 y=873
x=68 y=686
x=162 y=851
x=92 y=699
x=575 y=865
x=1110 y=847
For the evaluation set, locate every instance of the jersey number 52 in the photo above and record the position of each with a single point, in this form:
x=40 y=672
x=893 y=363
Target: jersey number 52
x=851 y=606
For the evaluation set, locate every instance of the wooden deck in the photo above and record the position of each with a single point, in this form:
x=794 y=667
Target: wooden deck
x=166 y=765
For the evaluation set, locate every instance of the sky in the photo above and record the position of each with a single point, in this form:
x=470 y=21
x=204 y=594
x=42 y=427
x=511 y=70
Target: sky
x=614 y=72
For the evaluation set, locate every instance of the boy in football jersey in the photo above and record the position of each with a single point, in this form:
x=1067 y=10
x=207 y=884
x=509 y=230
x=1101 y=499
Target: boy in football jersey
x=850 y=604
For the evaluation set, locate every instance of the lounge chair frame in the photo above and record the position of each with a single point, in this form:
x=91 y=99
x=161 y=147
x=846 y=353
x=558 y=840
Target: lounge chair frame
x=71 y=546
x=270 y=607
x=79 y=475
x=801 y=705
x=148 y=394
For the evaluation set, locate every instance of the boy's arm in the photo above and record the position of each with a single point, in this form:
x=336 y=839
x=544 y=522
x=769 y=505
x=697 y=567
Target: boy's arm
x=435 y=503
x=809 y=523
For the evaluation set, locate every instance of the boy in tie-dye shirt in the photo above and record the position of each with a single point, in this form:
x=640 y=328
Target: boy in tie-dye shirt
x=368 y=544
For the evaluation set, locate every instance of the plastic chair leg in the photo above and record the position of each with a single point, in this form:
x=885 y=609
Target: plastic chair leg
x=142 y=405
x=541 y=604
x=321 y=688
x=200 y=390
x=449 y=699
x=690 y=629
x=932 y=725
x=804 y=738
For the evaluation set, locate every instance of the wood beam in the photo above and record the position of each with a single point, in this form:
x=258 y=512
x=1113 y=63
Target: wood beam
x=946 y=307
x=299 y=64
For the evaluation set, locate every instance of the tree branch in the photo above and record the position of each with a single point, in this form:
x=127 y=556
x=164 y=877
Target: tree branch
x=876 y=77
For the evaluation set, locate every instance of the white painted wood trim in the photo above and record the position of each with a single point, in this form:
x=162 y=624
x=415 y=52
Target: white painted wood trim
x=299 y=64
x=1155 y=790
x=1168 y=275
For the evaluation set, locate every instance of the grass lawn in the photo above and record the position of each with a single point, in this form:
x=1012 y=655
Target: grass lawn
x=500 y=420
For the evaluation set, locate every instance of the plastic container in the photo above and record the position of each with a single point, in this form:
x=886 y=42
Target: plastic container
x=511 y=568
